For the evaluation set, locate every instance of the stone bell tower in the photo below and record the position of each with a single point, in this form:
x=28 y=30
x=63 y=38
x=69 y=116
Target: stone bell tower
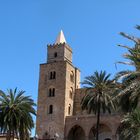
x=58 y=80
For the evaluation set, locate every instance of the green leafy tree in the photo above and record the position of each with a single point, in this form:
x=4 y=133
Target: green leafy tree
x=16 y=112
x=98 y=95
x=130 y=93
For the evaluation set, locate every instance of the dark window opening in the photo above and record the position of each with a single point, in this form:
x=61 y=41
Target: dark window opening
x=50 y=109
x=55 y=54
x=51 y=92
x=69 y=109
x=52 y=75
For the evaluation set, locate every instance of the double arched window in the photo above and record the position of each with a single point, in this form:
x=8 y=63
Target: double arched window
x=52 y=75
x=51 y=92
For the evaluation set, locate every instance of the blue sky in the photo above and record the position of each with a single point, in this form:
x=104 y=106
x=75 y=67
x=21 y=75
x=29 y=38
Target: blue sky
x=91 y=28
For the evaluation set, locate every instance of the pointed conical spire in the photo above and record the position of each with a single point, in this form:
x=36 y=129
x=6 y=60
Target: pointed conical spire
x=60 y=38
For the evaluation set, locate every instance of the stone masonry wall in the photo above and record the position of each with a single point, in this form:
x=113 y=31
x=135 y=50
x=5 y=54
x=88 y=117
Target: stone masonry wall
x=51 y=123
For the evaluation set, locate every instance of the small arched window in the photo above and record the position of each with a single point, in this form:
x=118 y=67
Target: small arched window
x=71 y=93
x=72 y=76
x=51 y=109
x=55 y=54
x=69 y=109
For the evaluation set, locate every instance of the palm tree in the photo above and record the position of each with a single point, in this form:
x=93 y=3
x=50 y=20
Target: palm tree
x=130 y=94
x=98 y=95
x=16 y=112
x=130 y=126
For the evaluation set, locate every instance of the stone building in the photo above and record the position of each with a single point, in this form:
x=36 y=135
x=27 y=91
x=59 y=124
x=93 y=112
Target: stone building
x=59 y=114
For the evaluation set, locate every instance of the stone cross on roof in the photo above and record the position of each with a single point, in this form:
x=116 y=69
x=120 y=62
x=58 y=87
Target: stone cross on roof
x=60 y=38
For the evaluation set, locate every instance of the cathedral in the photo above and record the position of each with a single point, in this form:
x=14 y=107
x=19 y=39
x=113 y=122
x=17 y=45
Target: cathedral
x=59 y=113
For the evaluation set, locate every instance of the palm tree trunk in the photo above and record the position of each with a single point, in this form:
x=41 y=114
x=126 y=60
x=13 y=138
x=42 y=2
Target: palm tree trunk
x=98 y=121
x=13 y=135
x=8 y=135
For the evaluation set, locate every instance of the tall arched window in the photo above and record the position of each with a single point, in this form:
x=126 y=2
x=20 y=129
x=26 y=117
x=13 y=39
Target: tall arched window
x=71 y=93
x=54 y=75
x=51 y=109
x=55 y=54
x=69 y=109
x=51 y=92
x=72 y=76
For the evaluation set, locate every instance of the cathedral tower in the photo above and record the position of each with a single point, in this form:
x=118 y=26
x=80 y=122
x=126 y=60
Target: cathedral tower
x=58 y=80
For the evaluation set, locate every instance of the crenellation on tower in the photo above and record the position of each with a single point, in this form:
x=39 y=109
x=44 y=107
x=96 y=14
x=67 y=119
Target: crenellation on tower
x=59 y=52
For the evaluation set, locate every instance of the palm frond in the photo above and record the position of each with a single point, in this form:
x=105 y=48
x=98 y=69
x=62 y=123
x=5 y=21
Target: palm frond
x=130 y=37
x=98 y=90
x=138 y=27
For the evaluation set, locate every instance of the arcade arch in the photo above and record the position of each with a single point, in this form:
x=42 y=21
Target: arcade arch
x=76 y=133
x=105 y=133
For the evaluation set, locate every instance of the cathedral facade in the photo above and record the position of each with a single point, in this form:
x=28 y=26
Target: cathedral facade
x=59 y=113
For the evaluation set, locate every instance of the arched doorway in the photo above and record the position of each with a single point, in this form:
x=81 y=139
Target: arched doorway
x=76 y=133
x=104 y=133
